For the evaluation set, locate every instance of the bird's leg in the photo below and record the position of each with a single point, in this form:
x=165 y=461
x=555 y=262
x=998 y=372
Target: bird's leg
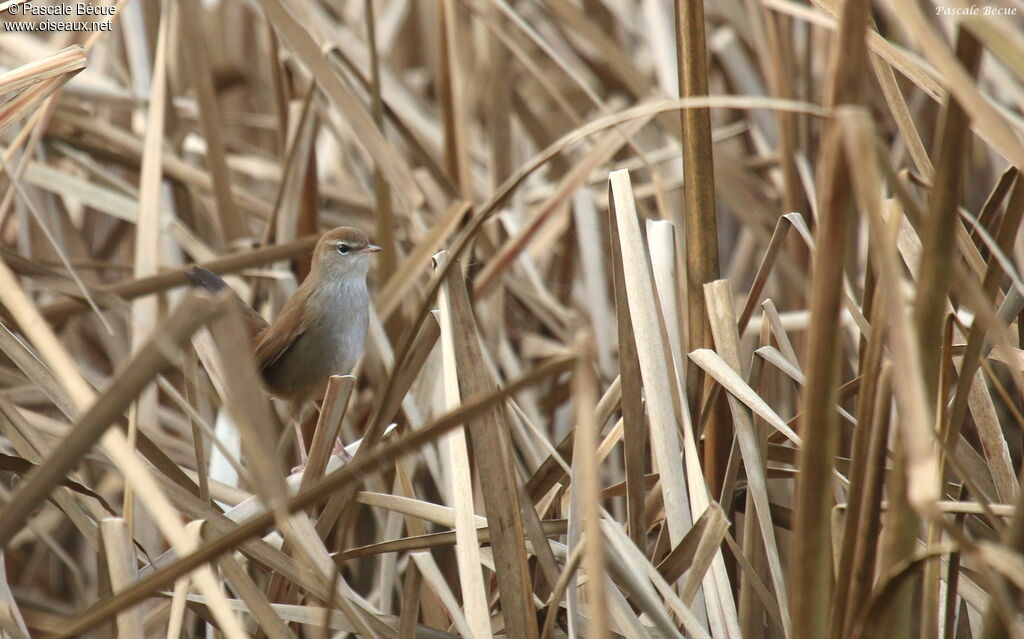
x=303 y=457
x=297 y=423
x=299 y=440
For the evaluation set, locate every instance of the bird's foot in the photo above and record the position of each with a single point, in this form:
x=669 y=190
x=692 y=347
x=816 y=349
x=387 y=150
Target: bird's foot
x=303 y=457
x=339 y=450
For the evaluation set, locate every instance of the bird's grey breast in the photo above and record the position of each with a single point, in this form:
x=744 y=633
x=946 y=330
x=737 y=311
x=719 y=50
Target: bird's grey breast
x=340 y=322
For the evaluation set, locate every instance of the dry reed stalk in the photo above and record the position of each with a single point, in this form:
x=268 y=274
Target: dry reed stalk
x=811 y=583
x=700 y=215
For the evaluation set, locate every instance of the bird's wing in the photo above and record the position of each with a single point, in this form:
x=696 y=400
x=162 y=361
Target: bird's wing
x=275 y=340
x=206 y=279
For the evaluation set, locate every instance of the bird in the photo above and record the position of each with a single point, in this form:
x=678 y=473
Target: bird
x=321 y=329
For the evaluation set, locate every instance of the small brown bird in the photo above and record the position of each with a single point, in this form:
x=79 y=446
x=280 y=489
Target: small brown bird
x=320 y=331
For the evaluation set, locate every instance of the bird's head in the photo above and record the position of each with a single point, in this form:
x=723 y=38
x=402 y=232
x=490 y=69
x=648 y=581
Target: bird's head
x=344 y=252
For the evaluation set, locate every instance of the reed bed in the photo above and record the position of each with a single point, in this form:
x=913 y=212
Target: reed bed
x=692 y=320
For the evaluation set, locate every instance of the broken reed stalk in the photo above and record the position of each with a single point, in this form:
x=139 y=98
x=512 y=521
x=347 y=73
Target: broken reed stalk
x=474 y=596
x=492 y=444
x=634 y=431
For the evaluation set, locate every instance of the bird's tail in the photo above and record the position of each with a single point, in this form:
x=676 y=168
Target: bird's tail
x=204 y=278
x=207 y=280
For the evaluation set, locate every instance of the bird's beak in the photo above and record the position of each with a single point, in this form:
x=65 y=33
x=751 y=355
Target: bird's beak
x=372 y=248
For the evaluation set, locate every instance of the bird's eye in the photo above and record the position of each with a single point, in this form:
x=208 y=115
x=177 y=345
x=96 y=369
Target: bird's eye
x=344 y=249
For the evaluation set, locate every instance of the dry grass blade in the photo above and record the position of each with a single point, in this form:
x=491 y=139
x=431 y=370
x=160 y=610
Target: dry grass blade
x=937 y=239
x=634 y=430
x=433 y=540
x=725 y=375
x=451 y=98
x=427 y=567
x=30 y=203
x=986 y=118
x=248 y=407
x=178 y=598
x=712 y=522
x=603 y=149
x=862 y=529
x=113 y=442
x=911 y=395
x=915 y=479
x=148 y=225
x=43 y=78
x=403 y=279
